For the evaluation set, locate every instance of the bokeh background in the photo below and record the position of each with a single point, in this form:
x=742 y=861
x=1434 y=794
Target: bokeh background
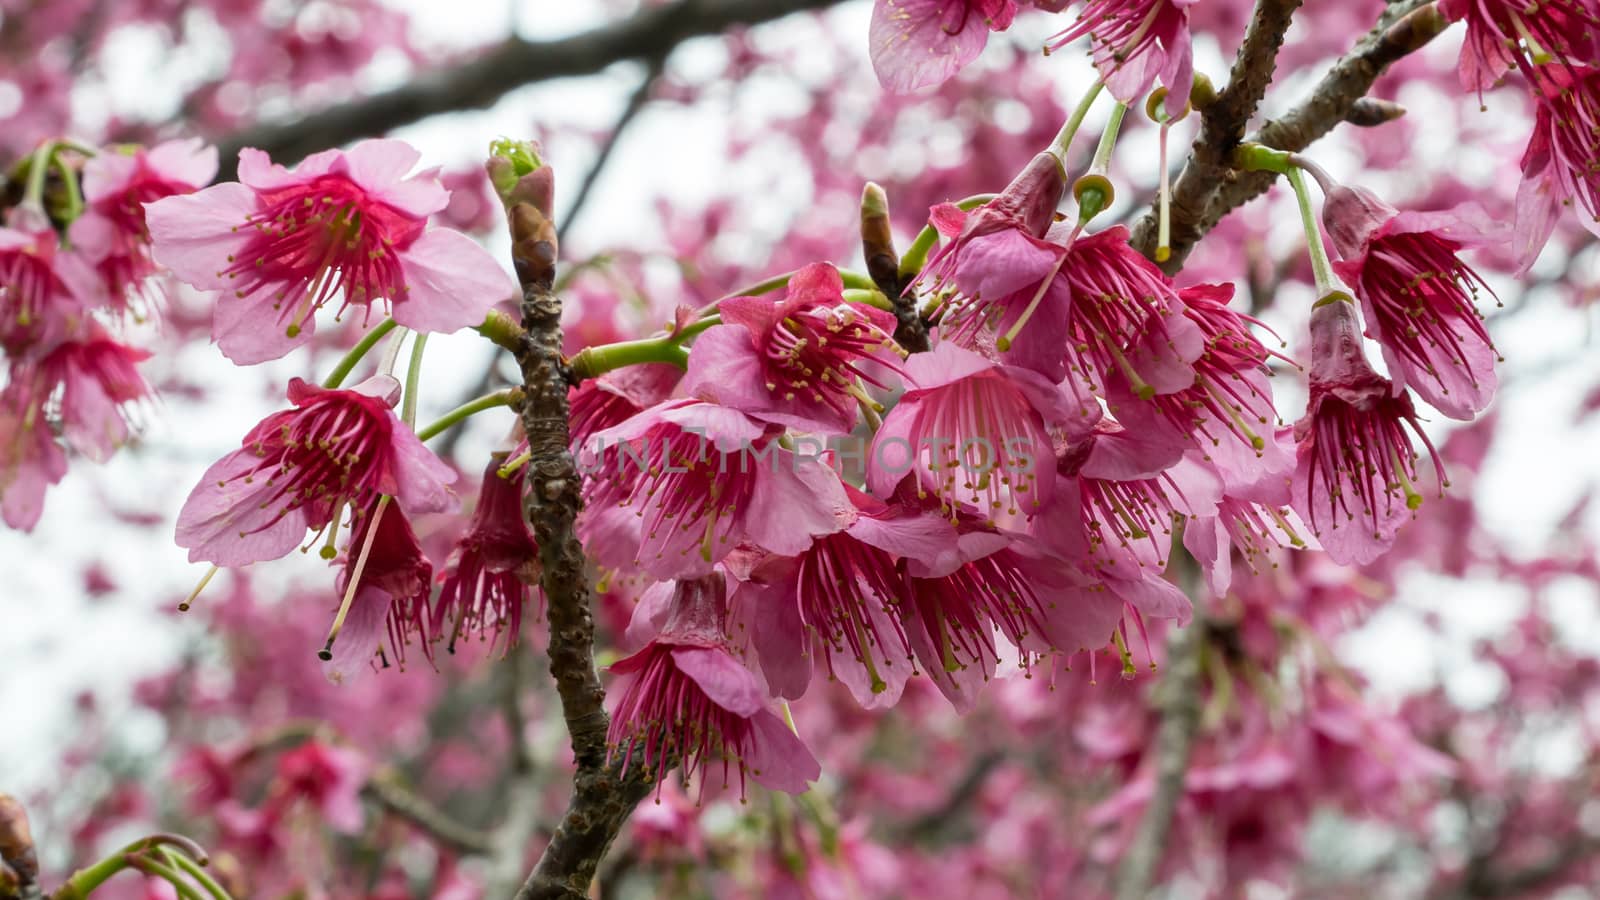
x=735 y=157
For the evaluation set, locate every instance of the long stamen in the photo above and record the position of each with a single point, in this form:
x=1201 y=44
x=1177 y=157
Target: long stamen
x=326 y=653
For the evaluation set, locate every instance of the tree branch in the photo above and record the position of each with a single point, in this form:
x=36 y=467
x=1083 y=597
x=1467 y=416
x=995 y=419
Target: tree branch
x=1404 y=27
x=601 y=800
x=650 y=33
x=1177 y=696
x=1222 y=127
x=389 y=792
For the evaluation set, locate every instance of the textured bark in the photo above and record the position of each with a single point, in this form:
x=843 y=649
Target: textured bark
x=601 y=799
x=650 y=33
x=1404 y=27
x=1222 y=127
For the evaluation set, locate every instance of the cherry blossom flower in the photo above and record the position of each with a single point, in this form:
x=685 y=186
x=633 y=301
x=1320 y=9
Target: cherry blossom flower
x=991 y=271
x=111 y=232
x=917 y=43
x=328 y=777
x=297 y=468
x=1136 y=41
x=491 y=573
x=1005 y=582
x=1228 y=413
x=1124 y=316
x=673 y=490
x=1356 y=471
x=44 y=291
x=30 y=459
x=1112 y=512
x=842 y=596
x=1503 y=33
x=802 y=361
x=1559 y=165
x=1417 y=295
x=971 y=432
x=387 y=578
x=280 y=244
x=690 y=699
x=100 y=384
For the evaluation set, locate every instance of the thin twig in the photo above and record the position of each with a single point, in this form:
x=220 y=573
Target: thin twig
x=387 y=790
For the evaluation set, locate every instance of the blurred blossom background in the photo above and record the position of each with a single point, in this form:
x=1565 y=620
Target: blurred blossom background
x=1422 y=726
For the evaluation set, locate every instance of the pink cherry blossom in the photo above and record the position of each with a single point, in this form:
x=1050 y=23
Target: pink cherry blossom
x=1005 y=582
x=100 y=387
x=44 y=291
x=111 y=232
x=387 y=574
x=917 y=43
x=690 y=699
x=30 y=459
x=1559 y=165
x=1227 y=414
x=971 y=432
x=490 y=575
x=1135 y=42
x=1112 y=512
x=1565 y=31
x=297 y=469
x=281 y=244
x=326 y=776
x=1417 y=295
x=801 y=361
x=676 y=488
x=1354 y=481
x=994 y=266
x=1124 y=316
x=842 y=595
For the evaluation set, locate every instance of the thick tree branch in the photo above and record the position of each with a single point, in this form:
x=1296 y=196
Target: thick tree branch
x=1222 y=127
x=601 y=799
x=1404 y=27
x=648 y=34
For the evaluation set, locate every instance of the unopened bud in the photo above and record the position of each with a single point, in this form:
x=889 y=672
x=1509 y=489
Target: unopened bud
x=877 y=240
x=519 y=175
x=1369 y=112
x=16 y=842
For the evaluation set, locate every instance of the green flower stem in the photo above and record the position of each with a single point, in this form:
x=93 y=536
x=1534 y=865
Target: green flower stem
x=1258 y=158
x=149 y=864
x=370 y=340
x=408 y=406
x=502 y=331
x=694 y=328
x=38 y=166
x=1069 y=130
x=1093 y=190
x=84 y=881
x=857 y=280
x=70 y=183
x=466 y=410
x=1326 y=284
x=199 y=874
x=869 y=297
x=1108 y=139
x=592 y=361
x=916 y=256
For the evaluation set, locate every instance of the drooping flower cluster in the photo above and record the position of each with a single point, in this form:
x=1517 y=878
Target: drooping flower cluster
x=70 y=283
